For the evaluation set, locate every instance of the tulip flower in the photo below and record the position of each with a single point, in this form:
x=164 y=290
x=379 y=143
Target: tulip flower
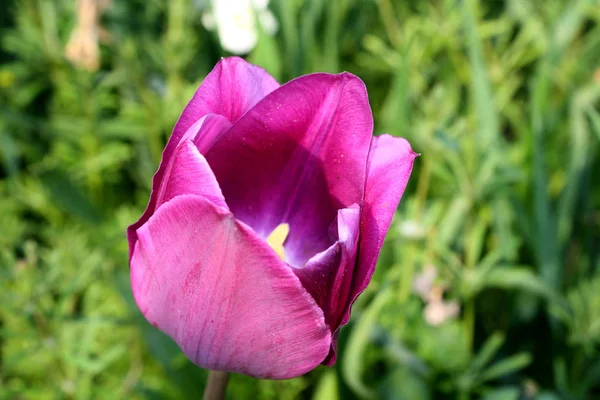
x=266 y=218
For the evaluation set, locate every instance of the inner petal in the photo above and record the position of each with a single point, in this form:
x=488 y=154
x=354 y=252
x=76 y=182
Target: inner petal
x=297 y=157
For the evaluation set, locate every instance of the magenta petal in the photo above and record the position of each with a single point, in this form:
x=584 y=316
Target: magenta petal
x=227 y=92
x=207 y=131
x=223 y=295
x=189 y=173
x=389 y=167
x=297 y=157
x=204 y=132
x=318 y=274
x=230 y=89
x=328 y=275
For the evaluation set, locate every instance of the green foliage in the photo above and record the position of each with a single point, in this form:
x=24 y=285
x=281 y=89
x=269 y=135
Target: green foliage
x=502 y=100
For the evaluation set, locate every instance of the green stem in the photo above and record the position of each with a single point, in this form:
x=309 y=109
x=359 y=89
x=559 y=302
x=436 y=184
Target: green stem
x=423 y=186
x=469 y=326
x=469 y=321
x=216 y=386
x=390 y=23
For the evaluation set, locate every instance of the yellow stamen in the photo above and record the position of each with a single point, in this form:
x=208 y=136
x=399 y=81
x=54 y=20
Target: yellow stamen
x=277 y=237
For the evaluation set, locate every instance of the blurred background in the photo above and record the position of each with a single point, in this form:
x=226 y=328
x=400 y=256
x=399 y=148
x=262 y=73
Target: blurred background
x=489 y=283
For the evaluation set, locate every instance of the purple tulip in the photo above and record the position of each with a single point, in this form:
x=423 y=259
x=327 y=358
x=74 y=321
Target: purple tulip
x=246 y=156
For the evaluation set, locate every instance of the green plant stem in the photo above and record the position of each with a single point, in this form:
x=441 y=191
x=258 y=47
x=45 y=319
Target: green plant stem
x=389 y=22
x=469 y=326
x=216 y=386
x=423 y=186
x=469 y=308
x=469 y=321
x=408 y=272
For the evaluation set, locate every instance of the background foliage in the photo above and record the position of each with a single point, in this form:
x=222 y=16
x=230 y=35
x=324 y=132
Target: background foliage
x=499 y=229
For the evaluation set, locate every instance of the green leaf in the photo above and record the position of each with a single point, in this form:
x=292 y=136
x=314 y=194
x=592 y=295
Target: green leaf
x=521 y=279
x=9 y=152
x=595 y=119
x=483 y=99
x=506 y=366
x=453 y=220
x=69 y=197
x=358 y=341
x=548 y=396
x=505 y=393
x=402 y=384
x=488 y=351
x=475 y=237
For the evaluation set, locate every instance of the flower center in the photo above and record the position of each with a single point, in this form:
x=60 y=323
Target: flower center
x=277 y=238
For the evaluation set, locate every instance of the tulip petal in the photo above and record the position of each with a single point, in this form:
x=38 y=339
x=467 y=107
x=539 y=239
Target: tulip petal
x=227 y=92
x=230 y=89
x=390 y=164
x=223 y=295
x=297 y=157
x=328 y=275
x=205 y=132
x=189 y=173
x=389 y=167
x=318 y=274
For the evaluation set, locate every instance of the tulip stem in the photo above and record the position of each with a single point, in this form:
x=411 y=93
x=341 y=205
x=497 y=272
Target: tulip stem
x=216 y=386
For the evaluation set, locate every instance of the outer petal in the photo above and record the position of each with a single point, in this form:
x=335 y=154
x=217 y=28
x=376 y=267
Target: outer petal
x=223 y=295
x=389 y=167
x=228 y=91
x=297 y=157
x=204 y=132
x=232 y=88
x=189 y=173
